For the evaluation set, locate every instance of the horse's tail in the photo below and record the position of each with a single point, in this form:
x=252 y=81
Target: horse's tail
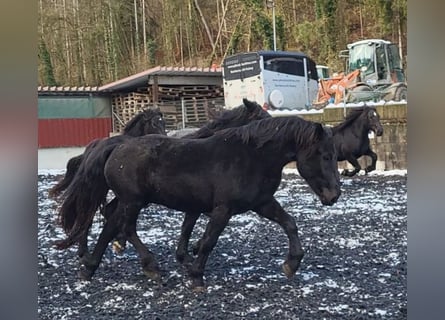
x=71 y=168
x=83 y=196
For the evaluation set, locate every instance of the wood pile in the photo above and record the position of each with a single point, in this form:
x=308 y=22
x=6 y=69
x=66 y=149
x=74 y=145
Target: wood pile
x=199 y=102
x=125 y=106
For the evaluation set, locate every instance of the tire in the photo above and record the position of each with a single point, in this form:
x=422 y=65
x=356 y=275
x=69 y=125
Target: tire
x=401 y=93
x=359 y=93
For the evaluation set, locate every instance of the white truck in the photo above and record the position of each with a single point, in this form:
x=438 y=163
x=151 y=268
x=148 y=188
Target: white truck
x=274 y=79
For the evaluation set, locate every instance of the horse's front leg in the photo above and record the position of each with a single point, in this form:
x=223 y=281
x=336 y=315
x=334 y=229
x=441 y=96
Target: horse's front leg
x=274 y=212
x=373 y=157
x=189 y=222
x=355 y=164
x=219 y=218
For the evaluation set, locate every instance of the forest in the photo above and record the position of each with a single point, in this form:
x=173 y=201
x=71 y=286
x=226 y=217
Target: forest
x=91 y=43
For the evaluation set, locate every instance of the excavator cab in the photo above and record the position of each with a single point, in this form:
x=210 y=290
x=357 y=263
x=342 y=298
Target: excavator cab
x=373 y=72
x=378 y=60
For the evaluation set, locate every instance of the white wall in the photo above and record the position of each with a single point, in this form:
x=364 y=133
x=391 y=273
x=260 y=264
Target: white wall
x=56 y=158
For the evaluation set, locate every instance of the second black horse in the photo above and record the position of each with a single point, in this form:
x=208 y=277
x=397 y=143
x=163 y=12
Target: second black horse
x=351 y=138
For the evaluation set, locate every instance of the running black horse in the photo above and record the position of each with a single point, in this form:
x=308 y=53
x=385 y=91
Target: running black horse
x=247 y=112
x=145 y=122
x=229 y=118
x=351 y=141
x=351 y=138
x=230 y=172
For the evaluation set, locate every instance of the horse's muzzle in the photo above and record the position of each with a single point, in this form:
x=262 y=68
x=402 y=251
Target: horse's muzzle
x=329 y=197
x=378 y=131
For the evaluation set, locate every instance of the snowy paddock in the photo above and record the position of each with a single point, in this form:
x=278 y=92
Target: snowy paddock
x=355 y=266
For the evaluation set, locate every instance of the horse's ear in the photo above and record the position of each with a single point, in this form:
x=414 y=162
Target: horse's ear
x=372 y=113
x=248 y=104
x=319 y=131
x=145 y=113
x=213 y=114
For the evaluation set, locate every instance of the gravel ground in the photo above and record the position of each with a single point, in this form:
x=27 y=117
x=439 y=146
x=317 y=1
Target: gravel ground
x=355 y=265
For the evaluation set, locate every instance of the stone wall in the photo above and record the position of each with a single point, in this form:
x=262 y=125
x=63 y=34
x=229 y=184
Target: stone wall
x=391 y=147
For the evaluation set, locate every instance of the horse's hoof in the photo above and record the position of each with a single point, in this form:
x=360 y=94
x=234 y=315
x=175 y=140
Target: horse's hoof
x=84 y=273
x=118 y=248
x=199 y=289
x=153 y=275
x=287 y=271
x=349 y=174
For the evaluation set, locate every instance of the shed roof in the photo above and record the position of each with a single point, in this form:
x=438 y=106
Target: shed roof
x=167 y=75
x=164 y=75
x=66 y=89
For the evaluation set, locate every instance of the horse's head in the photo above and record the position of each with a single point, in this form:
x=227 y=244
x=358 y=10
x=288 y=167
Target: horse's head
x=255 y=111
x=317 y=164
x=154 y=122
x=373 y=119
x=149 y=121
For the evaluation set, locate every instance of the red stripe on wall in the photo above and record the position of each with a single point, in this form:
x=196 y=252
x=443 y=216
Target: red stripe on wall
x=72 y=132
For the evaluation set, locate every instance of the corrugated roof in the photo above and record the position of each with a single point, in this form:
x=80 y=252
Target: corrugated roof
x=137 y=80
x=141 y=79
x=67 y=89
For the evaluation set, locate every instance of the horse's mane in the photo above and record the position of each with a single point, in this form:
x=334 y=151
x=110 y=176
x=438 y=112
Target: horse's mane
x=351 y=117
x=227 y=116
x=224 y=119
x=277 y=129
x=136 y=125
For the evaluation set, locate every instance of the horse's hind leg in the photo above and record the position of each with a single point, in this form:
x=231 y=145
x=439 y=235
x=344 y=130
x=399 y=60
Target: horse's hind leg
x=120 y=241
x=189 y=222
x=373 y=157
x=274 y=212
x=356 y=166
x=220 y=216
x=90 y=262
x=83 y=245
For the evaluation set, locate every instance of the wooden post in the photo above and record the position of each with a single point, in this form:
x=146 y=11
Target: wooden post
x=155 y=90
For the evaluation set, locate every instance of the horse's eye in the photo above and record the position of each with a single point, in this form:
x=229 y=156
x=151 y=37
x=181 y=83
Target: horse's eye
x=327 y=157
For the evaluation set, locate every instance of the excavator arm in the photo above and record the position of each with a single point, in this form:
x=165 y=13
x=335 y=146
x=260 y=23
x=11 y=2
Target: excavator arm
x=334 y=88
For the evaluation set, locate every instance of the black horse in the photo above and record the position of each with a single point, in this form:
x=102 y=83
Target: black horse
x=243 y=114
x=145 y=122
x=230 y=172
x=229 y=118
x=351 y=138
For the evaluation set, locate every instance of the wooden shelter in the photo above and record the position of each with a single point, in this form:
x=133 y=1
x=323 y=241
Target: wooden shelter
x=73 y=116
x=186 y=96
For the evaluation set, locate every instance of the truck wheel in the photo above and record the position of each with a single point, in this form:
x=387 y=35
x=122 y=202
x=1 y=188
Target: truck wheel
x=401 y=93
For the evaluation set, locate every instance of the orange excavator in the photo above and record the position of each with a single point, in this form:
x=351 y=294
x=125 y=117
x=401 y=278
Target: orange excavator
x=332 y=90
x=374 y=72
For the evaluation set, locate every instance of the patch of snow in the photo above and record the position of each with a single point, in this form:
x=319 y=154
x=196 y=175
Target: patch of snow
x=308 y=275
x=121 y=286
x=307 y=290
x=331 y=283
x=380 y=312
